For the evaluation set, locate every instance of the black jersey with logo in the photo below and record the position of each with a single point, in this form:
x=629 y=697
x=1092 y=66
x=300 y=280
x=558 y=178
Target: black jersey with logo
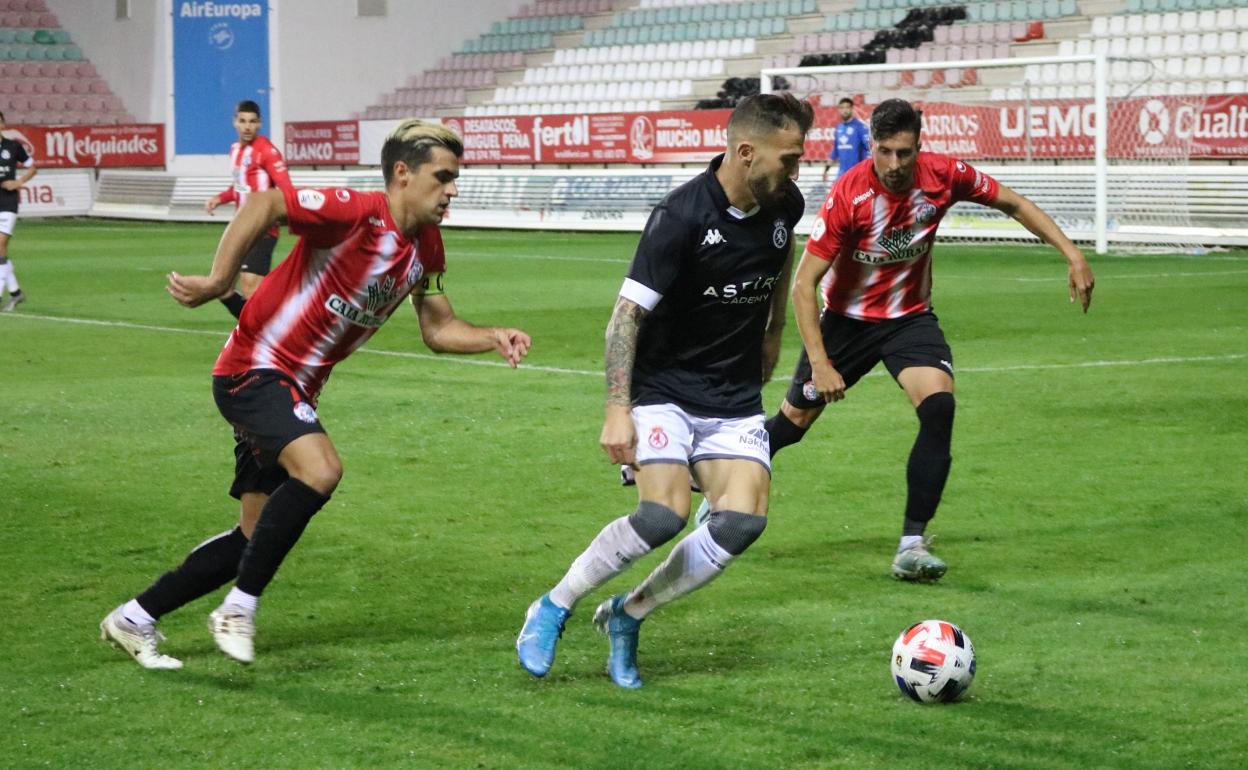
x=12 y=155
x=716 y=268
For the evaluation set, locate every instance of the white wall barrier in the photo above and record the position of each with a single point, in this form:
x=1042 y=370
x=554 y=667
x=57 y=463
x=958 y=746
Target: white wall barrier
x=53 y=193
x=1144 y=200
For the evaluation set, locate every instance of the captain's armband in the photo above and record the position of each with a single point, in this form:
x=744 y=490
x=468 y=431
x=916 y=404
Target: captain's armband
x=431 y=285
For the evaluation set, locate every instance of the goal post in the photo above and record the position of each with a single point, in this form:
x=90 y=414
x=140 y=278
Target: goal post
x=1098 y=141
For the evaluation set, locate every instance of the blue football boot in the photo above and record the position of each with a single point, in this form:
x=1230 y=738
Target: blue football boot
x=622 y=631
x=543 y=626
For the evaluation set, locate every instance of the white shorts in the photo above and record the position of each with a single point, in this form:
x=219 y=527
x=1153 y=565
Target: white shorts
x=8 y=220
x=668 y=434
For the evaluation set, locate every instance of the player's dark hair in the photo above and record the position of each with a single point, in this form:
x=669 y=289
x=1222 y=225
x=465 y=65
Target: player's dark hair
x=845 y=100
x=247 y=105
x=413 y=142
x=2 y=115
x=769 y=112
x=895 y=116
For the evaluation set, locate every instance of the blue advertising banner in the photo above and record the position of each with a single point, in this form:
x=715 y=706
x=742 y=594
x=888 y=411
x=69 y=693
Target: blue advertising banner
x=220 y=57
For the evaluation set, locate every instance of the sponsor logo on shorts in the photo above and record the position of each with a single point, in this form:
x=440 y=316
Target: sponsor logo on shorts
x=756 y=438
x=808 y=391
x=947 y=364
x=658 y=438
x=305 y=413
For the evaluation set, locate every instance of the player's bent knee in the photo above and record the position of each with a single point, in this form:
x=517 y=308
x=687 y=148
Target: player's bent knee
x=735 y=531
x=655 y=523
x=801 y=418
x=937 y=408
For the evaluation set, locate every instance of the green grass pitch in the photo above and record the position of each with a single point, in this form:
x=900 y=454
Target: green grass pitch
x=1095 y=525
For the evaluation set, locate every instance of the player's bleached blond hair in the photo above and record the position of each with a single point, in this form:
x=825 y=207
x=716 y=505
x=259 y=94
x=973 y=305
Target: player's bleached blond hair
x=413 y=141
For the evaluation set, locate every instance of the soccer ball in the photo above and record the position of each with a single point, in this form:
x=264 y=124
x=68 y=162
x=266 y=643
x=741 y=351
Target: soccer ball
x=933 y=662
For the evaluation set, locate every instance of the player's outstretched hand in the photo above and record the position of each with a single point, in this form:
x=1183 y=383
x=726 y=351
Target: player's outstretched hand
x=512 y=344
x=211 y=204
x=192 y=290
x=619 y=435
x=1081 y=281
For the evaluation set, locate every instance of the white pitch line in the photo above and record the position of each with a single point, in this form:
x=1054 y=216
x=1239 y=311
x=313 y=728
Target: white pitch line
x=590 y=373
x=1114 y=277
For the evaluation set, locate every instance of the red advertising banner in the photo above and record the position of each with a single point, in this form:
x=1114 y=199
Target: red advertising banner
x=92 y=146
x=326 y=142
x=631 y=137
x=1161 y=127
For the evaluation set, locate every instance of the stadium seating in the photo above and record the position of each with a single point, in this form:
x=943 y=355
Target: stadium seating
x=44 y=78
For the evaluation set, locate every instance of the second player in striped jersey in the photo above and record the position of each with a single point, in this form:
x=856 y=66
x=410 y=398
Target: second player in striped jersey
x=870 y=257
x=256 y=165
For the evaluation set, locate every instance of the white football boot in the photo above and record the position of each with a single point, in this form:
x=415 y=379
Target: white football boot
x=233 y=630
x=137 y=639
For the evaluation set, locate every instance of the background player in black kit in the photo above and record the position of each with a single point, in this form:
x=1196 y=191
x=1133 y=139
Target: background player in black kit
x=12 y=157
x=694 y=334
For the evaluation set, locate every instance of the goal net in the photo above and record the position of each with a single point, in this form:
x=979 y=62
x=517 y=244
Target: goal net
x=1034 y=123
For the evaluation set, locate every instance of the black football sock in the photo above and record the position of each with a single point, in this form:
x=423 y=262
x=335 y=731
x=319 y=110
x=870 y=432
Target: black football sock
x=282 y=521
x=928 y=468
x=211 y=565
x=781 y=432
x=234 y=303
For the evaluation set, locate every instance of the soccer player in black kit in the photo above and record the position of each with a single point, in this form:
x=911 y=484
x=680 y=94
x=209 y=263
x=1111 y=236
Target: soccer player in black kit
x=12 y=157
x=694 y=335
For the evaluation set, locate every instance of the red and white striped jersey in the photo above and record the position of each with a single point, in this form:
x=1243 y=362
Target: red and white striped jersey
x=254 y=167
x=880 y=243
x=350 y=270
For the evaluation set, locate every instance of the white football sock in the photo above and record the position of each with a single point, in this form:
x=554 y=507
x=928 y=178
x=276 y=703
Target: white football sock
x=9 y=277
x=614 y=550
x=695 y=561
x=134 y=612
x=908 y=542
x=241 y=600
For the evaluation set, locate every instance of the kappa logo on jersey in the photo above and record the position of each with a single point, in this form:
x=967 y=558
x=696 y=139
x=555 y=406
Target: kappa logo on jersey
x=312 y=200
x=376 y=222
x=658 y=438
x=780 y=235
x=713 y=238
x=305 y=413
x=342 y=195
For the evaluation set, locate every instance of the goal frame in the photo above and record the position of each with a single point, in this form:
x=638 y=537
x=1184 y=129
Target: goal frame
x=1100 y=98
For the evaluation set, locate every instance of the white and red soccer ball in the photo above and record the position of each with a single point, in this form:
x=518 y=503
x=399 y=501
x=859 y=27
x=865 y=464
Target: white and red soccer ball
x=933 y=662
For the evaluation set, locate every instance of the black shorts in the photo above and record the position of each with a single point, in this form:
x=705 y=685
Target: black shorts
x=260 y=258
x=855 y=347
x=268 y=411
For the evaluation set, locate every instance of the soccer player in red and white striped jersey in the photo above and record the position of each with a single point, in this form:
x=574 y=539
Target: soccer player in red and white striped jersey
x=870 y=258
x=256 y=165
x=358 y=257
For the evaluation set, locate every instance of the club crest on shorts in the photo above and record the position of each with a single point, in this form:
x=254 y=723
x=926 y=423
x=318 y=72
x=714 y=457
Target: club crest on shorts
x=305 y=413
x=658 y=438
x=809 y=392
x=780 y=235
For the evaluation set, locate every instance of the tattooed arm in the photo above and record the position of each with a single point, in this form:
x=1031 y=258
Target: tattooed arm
x=619 y=437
